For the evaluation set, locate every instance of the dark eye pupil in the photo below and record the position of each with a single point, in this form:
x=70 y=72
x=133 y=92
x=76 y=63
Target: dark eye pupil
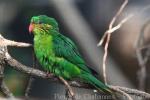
x=40 y=22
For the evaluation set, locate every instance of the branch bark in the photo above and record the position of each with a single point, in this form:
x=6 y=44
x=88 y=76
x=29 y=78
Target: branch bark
x=107 y=34
x=4 y=89
x=31 y=78
x=7 y=59
x=133 y=91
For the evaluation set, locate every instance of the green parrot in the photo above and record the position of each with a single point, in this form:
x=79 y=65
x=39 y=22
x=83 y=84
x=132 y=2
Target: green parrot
x=58 y=54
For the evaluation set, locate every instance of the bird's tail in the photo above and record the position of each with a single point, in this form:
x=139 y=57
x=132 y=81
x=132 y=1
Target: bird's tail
x=89 y=78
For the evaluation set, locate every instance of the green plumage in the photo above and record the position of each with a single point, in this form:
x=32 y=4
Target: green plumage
x=58 y=54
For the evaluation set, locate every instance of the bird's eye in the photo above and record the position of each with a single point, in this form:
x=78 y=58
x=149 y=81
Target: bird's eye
x=40 y=22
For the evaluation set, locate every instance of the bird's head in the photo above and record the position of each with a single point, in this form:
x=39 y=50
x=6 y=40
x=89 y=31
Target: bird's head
x=42 y=23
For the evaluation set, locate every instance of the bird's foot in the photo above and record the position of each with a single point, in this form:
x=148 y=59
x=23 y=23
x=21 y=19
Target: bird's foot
x=48 y=74
x=51 y=75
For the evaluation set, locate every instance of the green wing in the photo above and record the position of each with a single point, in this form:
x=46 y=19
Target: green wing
x=65 y=48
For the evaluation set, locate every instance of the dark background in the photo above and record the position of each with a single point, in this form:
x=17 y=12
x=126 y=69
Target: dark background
x=15 y=17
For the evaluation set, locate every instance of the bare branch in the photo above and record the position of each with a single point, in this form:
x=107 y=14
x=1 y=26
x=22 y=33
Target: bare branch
x=115 y=88
x=114 y=29
x=133 y=92
x=35 y=72
x=117 y=14
x=128 y=97
x=20 y=67
x=7 y=59
x=31 y=79
x=6 y=42
x=108 y=35
x=141 y=59
x=111 y=29
x=142 y=72
x=3 y=87
x=6 y=90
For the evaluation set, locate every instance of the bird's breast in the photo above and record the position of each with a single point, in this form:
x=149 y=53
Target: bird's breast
x=43 y=46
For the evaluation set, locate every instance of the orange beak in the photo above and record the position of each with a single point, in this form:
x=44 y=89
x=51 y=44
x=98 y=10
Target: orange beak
x=31 y=27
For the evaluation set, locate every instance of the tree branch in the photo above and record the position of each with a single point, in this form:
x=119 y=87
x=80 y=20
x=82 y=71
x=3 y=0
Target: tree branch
x=111 y=29
x=7 y=59
x=142 y=60
x=133 y=91
x=115 y=28
x=22 y=68
x=31 y=78
x=6 y=42
x=5 y=90
x=108 y=35
x=121 y=92
x=3 y=86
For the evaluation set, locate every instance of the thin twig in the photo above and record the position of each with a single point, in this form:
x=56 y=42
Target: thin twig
x=118 y=13
x=111 y=28
x=133 y=92
x=147 y=55
x=142 y=71
x=108 y=35
x=141 y=59
x=31 y=78
x=35 y=72
x=127 y=96
x=6 y=90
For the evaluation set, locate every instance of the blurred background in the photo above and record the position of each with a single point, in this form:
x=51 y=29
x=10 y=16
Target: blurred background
x=84 y=21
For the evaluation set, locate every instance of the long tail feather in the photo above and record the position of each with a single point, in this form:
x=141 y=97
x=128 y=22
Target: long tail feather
x=95 y=82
